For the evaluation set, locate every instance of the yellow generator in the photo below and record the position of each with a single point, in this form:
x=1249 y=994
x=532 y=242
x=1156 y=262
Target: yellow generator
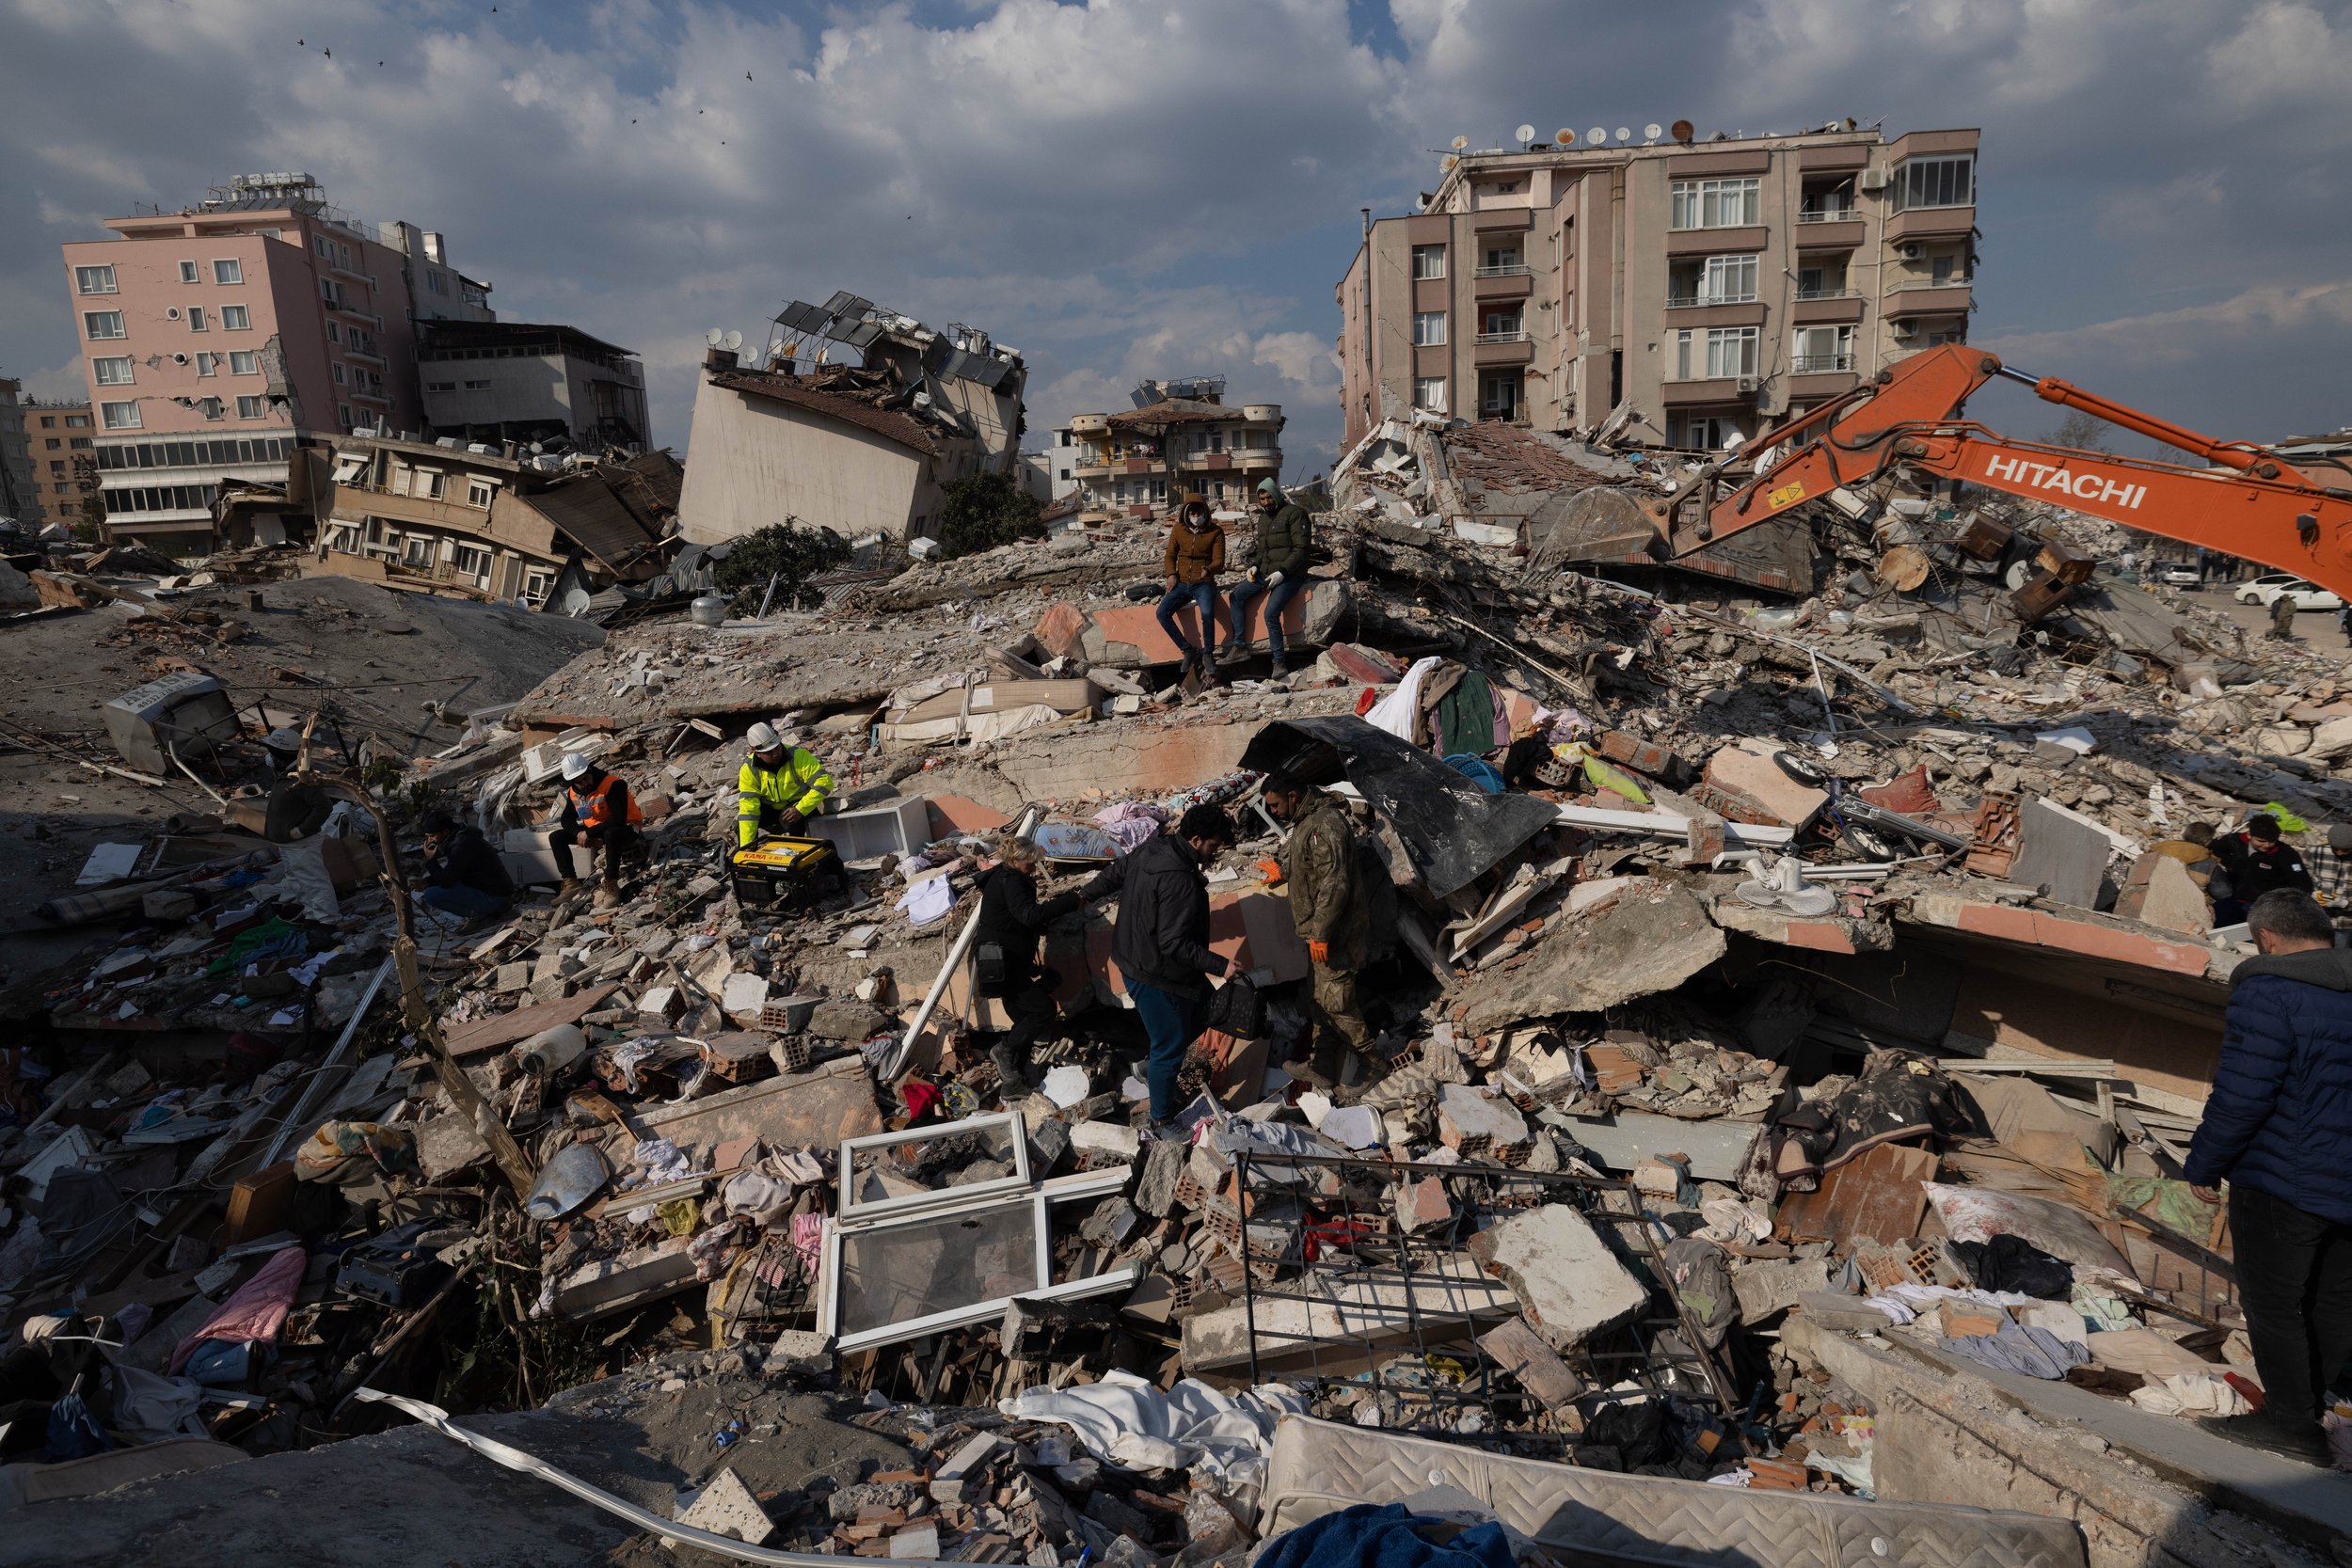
x=789 y=873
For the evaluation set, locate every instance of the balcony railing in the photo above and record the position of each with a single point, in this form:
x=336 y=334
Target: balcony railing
x=1692 y=302
x=1509 y=269
x=1517 y=335
x=1908 y=283
x=1839 y=293
x=1813 y=364
x=1827 y=214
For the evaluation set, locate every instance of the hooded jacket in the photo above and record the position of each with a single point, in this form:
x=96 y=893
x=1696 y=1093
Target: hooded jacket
x=1319 y=861
x=1193 y=554
x=2280 y=1115
x=1284 y=537
x=1161 y=937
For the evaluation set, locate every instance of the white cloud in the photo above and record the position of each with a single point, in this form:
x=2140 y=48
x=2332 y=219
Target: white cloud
x=2237 y=324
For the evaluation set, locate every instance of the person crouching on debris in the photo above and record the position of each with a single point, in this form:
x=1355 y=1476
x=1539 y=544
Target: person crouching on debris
x=292 y=810
x=1004 y=956
x=463 y=875
x=1194 y=557
x=599 y=815
x=1160 y=942
x=780 y=787
x=2256 y=862
x=2283 y=617
x=1284 y=537
x=1333 y=914
x=2278 y=1127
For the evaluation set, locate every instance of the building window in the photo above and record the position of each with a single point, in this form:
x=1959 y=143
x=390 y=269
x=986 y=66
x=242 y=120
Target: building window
x=538 y=581
x=334 y=332
x=440 y=386
x=1936 y=182
x=319 y=244
x=228 y=270
x=94 y=280
x=1503 y=326
x=196 y=318
x=235 y=318
x=1503 y=261
x=252 y=409
x=343 y=414
x=434 y=281
x=477 y=385
x=104 y=324
x=120 y=416
x=337 y=371
x=479 y=492
x=1718 y=350
x=1706 y=433
x=188 y=273
x=343 y=538
x=1717 y=203
x=1429 y=392
x=473 y=561
x=243 y=361
x=1428 y=260
x=1428 y=328
x=1499 y=395
x=1824 y=348
x=207 y=363
x=209 y=407
x=427 y=484
x=417 y=550
x=1728 y=280
x=113 y=372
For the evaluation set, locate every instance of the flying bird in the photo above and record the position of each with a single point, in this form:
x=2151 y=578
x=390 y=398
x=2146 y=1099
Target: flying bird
x=302 y=43
x=747 y=76
x=328 y=52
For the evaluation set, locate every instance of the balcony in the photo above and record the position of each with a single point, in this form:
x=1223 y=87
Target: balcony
x=1517 y=335
x=1841 y=292
x=1695 y=302
x=1508 y=269
x=1501 y=348
x=1844 y=232
x=1826 y=305
x=1503 y=283
x=1951 y=296
x=1932 y=223
x=1714 y=390
x=1840 y=211
x=1815 y=364
x=1716 y=241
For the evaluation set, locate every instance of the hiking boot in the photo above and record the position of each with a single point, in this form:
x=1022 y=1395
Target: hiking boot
x=1376 y=1067
x=2258 y=1431
x=1234 y=653
x=608 y=894
x=1013 y=1071
x=1309 y=1074
x=1278 y=670
x=567 y=887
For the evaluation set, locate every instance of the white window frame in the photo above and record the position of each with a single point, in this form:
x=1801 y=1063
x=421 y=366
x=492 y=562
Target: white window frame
x=206 y=364
x=252 y=406
x=212 y=408
x=343 y=413
x=457 y=561
x=1929 y=182
x=1424 y=258
x=334 y=332
x=337 y=369
x=481 y=493
x=1840 y=338
x=1429 y=394
x=196 y=318
x=245 y=361
x=1704 y=203
x=113 y=370
x=1730 y=351
x=343 y=538
x=191 y=273
x=1429 y=329
x=427 y=484
x=121 y=415
x=92 y=320
x=1730 y=279
x=420 y=551
x=95 y=280
x=228 y=270
x=235 y=318
x=538 y=582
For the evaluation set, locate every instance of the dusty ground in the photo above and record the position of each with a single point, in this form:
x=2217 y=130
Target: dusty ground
x=2316 y=629
x=56 y=673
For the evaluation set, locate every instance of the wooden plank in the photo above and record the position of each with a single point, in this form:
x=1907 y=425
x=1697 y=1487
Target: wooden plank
x=1882 y=1198
x=489 y=1034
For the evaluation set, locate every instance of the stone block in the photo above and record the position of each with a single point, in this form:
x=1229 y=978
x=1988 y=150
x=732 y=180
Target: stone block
x=2160 y=892
x=837 y=1018
x=1521 y=1351
x=1106 y=1138
x=1753 y=777
x=1472 y=1121
x=726 y=1507
x=1768 y=1288
x=512 y=977
x=1423 y=1204
x=1569 y=1284
x=2060 y=854
x=1163 y=1167
x=955 y=1480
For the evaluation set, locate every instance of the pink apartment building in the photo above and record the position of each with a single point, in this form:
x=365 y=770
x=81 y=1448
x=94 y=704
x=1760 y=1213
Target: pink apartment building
x=216 y=338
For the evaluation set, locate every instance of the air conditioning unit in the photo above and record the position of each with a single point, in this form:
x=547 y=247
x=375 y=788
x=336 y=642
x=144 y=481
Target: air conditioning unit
x=1747 y=383
x=1908 y=250
x=1875 y=178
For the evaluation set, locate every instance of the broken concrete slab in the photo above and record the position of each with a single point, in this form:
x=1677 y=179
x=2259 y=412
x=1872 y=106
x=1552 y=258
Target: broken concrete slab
x=2059 y=853
x=1521 y=1351
x=1652 y=939
x=1768 y=1287
x=815 y=1109
x=1569 y=1284
x=2160 y=892
x=1745 y=784
x=726 y=1507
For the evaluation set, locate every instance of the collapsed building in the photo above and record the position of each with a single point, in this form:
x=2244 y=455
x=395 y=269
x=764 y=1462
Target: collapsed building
x=1792 y=1013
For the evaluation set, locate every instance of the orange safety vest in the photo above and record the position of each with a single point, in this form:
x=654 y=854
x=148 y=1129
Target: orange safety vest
x=595 y=809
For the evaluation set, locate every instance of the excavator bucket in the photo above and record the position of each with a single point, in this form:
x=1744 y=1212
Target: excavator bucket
x=1596 y=525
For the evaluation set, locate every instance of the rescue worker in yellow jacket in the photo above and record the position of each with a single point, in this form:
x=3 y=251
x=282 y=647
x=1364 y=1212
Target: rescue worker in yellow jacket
x=781 y=787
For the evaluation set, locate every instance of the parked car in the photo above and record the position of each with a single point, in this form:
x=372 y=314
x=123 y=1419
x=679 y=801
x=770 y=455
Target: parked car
x=2307 y=595
x=2177 y=574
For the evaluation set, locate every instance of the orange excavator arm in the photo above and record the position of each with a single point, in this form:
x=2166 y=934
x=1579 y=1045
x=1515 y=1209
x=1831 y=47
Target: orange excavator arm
x=2253 y=503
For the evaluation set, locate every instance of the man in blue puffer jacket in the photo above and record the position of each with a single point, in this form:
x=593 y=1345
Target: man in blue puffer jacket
x=2278 y=1127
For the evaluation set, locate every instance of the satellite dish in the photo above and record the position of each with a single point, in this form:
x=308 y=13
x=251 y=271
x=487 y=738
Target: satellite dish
x=1597 y=135
x=1564 y=136
x=1450 y=161
x=1624 y=134
x=1460 y=142
x=1682 y=131
x=1652 y=131
x=1524 y=134
x=733 y=341
x=712 y=336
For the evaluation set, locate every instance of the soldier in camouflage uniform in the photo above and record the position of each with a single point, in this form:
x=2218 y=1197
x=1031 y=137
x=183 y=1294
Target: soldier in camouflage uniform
x=1332 y=909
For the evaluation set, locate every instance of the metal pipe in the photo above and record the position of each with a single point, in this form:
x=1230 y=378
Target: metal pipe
x=891 y=1068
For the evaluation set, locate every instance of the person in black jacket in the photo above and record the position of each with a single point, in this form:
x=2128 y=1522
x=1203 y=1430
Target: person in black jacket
x=463 y=875
x=1161 y=940
x=2256 y=863
x=1004 y=956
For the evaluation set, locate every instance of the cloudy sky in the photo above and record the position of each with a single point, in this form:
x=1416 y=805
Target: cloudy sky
x=1125 y=187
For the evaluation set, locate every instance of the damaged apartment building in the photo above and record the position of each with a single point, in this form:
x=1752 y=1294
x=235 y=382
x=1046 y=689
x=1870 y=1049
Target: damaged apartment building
x=1683 y=292
x=1180 y=435
x=854 y=417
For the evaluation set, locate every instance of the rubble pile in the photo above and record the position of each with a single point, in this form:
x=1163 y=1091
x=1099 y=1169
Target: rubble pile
x=1676 y=1040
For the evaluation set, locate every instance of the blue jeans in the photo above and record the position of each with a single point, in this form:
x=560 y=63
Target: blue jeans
x=1173 y=1022
x=1202 y=594
x=1275 y=597
x=467 y=903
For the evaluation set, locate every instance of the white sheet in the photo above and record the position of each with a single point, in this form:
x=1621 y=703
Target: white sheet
x=1395 y=712
x=1126 y=1421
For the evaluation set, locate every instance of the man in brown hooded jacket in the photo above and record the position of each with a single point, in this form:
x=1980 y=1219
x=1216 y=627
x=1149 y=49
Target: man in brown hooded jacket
x=1194 y=557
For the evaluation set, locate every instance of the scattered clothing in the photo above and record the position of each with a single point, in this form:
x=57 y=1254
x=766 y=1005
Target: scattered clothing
x=2035 y=1352
x=1382 y=1536
x=2013 y=1264
x=1126 y=1421
x=256 y=1312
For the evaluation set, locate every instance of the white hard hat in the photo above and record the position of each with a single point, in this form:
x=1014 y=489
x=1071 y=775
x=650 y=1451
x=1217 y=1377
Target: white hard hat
x=764 y=738
x=575 y=766
x=284 y=739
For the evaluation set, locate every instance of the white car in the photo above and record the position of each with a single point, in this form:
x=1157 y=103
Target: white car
x=2264 y=591
x=2175 y=574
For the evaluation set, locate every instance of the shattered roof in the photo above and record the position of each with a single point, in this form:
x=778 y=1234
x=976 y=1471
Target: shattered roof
x=889 y=423
x=1175 y=411
x=613 y=512
x=1492 y=455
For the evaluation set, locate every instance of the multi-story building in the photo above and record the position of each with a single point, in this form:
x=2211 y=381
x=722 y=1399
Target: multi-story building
x=217 y=336
x=1180 y=435
x=58 y=440
x=513 y=381
x=20 y=496
x=1689 y=289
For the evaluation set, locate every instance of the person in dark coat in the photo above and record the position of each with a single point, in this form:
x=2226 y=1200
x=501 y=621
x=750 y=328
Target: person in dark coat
x=463 y=875
x=1285 y=543
x=1004 y=954
x=1160 y=941
x=2278 y=1127
x=2256 y=862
